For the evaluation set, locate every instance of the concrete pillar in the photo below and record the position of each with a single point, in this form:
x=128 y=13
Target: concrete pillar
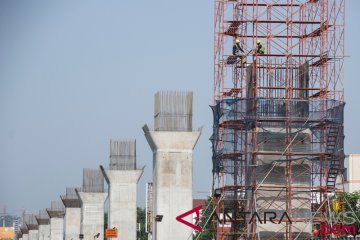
x=25 y=236
x=92 y=214
x=44 y=225
x=44 y=232
x=270 y=198
x=33 y=234
x=72 y=217
x=172 y=180
x=122 y=200
x=56 y=224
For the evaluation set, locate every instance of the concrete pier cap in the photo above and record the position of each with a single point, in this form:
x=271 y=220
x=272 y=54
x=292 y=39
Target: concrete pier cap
x=122 y=177
x=24 y=230
x=171 y=141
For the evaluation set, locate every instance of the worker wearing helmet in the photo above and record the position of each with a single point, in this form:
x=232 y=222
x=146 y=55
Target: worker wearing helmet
x=238 y=51
x=260 y=47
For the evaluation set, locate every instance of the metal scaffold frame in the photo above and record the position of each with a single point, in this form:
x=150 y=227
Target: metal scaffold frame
x=278 y=139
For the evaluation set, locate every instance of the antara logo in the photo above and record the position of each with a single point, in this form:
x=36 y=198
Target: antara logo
x=337 y=229
x=270 y=216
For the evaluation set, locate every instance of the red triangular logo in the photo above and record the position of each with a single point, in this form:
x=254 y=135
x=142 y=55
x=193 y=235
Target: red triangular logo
x=197 y=211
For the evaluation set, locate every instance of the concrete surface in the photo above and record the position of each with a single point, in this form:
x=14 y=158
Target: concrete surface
x=56 y=228
x=44 y=232
x=172 y=180
x=25 y=236
x=33 y=234
x=92 y=214
x=72 y=221
x=122 y=200
x=352 y=173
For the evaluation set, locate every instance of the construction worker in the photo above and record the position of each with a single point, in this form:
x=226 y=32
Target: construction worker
x=260 y=49
x=238 y=51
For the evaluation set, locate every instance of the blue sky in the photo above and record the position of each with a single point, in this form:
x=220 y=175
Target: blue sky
x=74 y=74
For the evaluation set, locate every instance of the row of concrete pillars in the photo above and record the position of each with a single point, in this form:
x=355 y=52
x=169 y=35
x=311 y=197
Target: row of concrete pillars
x=172 y=142
x=80 y=214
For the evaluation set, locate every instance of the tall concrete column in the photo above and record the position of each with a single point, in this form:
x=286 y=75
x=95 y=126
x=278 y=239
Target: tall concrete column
x=273 y=197
x=43 y=221
x=72 y=216
x=122 y=201
x=92 y=198
x=92 y=214
x=172 y=180
x=56 y=213
x=172 y=142
x=56 y=227
x=122 y=178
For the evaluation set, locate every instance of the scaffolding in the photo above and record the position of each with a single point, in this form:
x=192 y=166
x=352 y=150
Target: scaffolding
x=278 y=138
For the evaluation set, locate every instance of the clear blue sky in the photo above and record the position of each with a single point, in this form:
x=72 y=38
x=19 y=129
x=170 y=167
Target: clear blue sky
x=74 y=74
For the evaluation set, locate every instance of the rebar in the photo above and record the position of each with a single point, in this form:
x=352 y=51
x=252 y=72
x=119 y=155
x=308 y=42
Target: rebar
x=29 y=219
x=71 y=193
x=57 y=209
x=70 y=199
x=93 y=180
x=122 y=154
x=57 y=206
x=173 y=111
x=42 y=214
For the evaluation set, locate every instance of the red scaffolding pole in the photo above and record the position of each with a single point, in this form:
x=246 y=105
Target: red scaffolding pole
x=278 y=141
